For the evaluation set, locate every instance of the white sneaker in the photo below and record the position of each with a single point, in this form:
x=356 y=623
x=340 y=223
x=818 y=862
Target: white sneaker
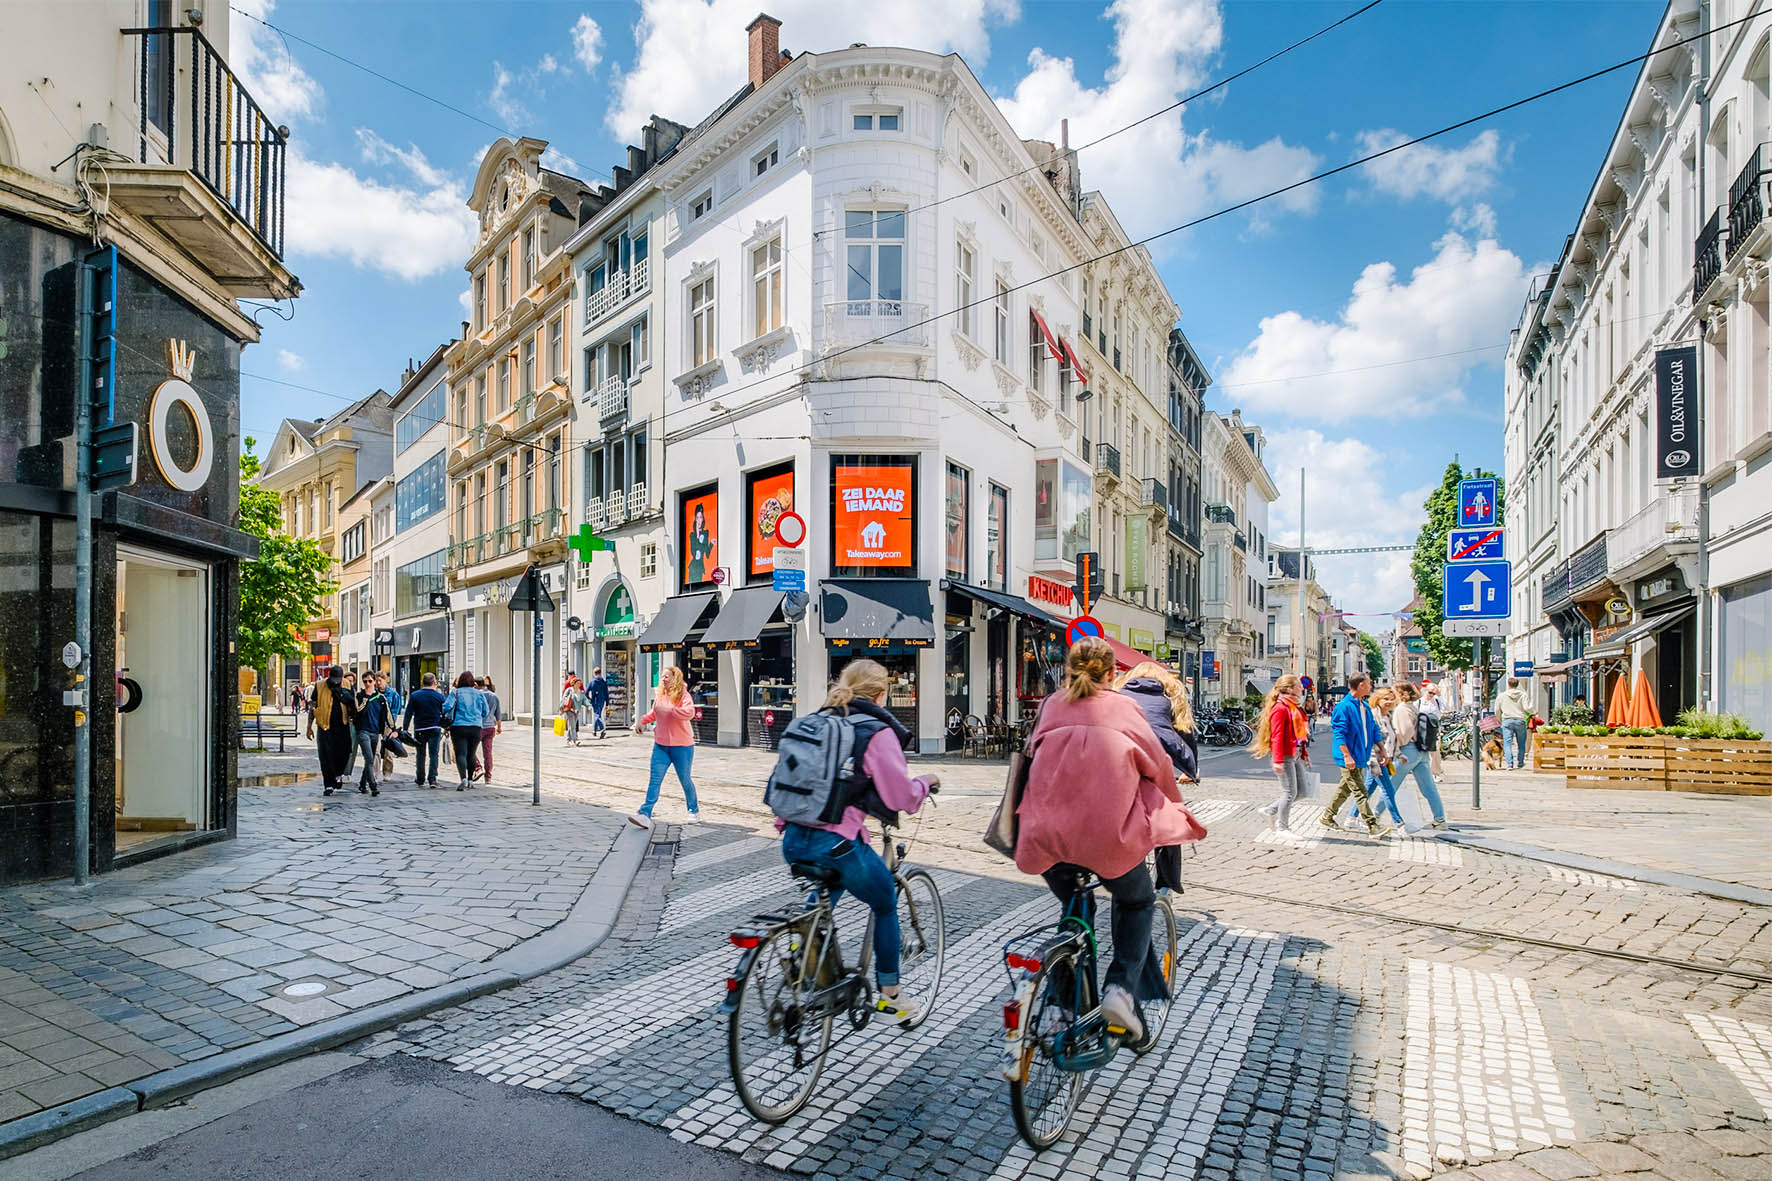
x=640 y=818
x=1120 y=1010
x=692 y=818
x=1269 y=808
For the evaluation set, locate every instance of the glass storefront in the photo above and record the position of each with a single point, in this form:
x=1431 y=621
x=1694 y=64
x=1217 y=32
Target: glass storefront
x=701 y=671
x=769 y=687
x=957 y=677
x=901 y=677
x=1744 y=651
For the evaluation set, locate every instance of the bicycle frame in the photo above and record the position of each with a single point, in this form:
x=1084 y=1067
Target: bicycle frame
x=1089 y=1044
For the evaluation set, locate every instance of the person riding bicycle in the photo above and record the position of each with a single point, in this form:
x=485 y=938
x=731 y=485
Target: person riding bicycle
x=883 y=786
x=1101 y=795
x=1163 y=698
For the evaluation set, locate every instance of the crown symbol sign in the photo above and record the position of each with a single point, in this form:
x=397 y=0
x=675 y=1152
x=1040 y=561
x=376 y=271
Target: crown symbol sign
x=183 y=359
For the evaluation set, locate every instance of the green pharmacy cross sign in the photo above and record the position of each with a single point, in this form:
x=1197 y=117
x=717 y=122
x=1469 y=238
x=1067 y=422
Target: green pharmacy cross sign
x=587 y=542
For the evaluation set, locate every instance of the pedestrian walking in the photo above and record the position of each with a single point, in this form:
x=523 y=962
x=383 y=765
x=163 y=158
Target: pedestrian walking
x=467 y=711
x=673 y=744
x=1379 y=783
x=1432 y=707
x=332 y=713
x=1353 y=732
x=1514 y=710
x=571 y=701
x=396 y=706
x=424 y=716
x=1415 y=736
x=1283 y=735
x=494 y=726
x=372 y=725
x=599 y=697
x=1160 y=696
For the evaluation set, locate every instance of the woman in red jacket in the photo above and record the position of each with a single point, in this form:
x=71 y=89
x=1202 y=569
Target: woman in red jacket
x=1284 y=733
x=1101 y=794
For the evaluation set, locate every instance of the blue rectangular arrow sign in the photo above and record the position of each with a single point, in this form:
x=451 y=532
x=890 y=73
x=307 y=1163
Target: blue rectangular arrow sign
x=1476 y=503
x=1478 y=590
x=1474 y=545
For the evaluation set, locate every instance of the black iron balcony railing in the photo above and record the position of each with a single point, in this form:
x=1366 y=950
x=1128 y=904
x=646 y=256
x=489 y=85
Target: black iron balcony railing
x=1221 y=514
x=1153 y=493
x=1585 y=570
x=1707 y=259
x=1107 y=459
x=212 y=127
x=1747 y=198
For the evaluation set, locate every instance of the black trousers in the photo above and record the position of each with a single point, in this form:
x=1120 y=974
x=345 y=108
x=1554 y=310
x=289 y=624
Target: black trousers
x=1134 y=898
x=466 y=742
x=335 y=753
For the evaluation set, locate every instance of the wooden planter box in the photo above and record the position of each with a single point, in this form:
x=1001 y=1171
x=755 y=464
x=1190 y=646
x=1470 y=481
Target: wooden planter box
x=1548 y=751
x=1723 y=766
x=1621 y=764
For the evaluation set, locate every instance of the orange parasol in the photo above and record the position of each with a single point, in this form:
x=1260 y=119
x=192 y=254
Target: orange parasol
x=1642 y=704
x=1618 y=703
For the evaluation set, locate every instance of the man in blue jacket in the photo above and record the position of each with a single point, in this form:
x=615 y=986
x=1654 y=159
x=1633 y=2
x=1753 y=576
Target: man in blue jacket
x=599 y=696
x=1353 y=734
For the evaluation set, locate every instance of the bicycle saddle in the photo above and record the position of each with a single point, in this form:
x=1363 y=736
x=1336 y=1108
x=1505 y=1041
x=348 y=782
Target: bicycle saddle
x=815 y=873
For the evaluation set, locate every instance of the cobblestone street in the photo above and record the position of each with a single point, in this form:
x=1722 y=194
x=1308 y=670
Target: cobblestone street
x=1347 y=1007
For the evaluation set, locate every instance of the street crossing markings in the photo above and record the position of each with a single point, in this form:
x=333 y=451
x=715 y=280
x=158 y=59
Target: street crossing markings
x=1308 y=839
x=754 y=889
x=1745 y=1050
x=1581 y=877
x=1152 y=1117
x=1478 y=1077
x=1209 y=812
x=1426 y=851
x=729 y=851
x=862 y=1067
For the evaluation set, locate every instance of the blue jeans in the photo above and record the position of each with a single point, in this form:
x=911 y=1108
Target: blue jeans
x=428 y=742
x=597 y=726
x=665 y=758
x=1412 y=760
x=369 y=745
x=864 y=874
x=1513 y=742
x=1379 y=785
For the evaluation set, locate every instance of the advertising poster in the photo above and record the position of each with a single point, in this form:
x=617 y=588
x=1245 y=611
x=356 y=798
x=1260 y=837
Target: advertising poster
x=701 y=541
x=770 y=494
x=873 y=515
x=958 y=493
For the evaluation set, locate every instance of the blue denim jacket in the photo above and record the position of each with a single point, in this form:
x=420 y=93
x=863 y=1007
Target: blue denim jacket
x=1354 y=727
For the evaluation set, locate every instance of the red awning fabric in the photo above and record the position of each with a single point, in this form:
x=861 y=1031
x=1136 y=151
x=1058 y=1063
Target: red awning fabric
x=1126 y=656
x=1052 y=345
x=1076 y=362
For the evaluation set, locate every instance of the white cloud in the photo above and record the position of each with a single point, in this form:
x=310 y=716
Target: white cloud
x=261 y=58
x=410 y=227
x=587 y=43
x=510 y=111
x=291 y=362
x=1399 y=349
x=691 y=55
x=1448 y=174
x=560 y=162
x=1158 y=173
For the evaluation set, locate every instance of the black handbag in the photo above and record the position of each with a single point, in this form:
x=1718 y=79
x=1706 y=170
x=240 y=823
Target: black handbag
x=393 y=746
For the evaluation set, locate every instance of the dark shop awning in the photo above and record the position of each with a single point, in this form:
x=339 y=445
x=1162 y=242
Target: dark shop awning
x=1620 y=644
x=741 y=620
x=898 y=610
x=676 y=618
x=1014 y=604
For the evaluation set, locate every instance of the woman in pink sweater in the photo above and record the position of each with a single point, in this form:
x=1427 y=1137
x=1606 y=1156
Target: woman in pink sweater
x=1101 y=794
x=673 y=744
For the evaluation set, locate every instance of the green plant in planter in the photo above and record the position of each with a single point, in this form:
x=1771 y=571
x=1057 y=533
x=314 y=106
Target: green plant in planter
x=1700 y=724
x=1572 y=715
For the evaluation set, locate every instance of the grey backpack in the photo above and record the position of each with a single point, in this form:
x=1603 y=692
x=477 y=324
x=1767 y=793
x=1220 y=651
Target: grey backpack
x=813 y=769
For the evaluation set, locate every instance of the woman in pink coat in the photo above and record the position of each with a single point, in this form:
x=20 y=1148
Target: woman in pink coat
x=1101 y=794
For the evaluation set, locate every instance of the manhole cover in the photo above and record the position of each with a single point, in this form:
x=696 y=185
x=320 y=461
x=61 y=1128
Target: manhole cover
x=304 y=989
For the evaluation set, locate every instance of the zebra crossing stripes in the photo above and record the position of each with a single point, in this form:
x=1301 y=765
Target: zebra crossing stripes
x=1426 y=851
x=1308 y=837
x=1581 y=877
x=728 y=851
x=1209 y=812
x=1744 y=1048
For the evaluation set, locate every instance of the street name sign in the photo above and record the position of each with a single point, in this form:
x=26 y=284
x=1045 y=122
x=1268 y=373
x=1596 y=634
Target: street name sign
x=1474 y=545
x=1476 y=502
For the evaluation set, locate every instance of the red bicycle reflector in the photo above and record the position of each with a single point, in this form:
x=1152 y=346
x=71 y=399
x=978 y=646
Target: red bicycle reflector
x=732 y=984
x=746 y=941
x=1023 y=962
x=1012 y=1016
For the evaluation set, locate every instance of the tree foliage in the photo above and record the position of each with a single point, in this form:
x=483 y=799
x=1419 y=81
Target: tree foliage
x=1374 y=657
x=1429 y=561
x=286 y=586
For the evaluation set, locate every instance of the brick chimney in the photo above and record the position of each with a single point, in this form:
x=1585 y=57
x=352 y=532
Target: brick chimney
x=765 y=33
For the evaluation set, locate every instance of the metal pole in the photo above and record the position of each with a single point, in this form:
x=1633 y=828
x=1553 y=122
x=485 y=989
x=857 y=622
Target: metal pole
x=1479 y=646
x=535 y=716
x=1298 y=645
x=1706 y=680
x=83 y=582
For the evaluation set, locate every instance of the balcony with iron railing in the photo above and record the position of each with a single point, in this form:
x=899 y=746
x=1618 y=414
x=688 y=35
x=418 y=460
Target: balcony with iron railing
x=1576 y=578
x=1221 y=514
x=509 y=540
x=1240 y=541
x=1107 y=460
x=618 y=289
x=612 y=400
x=1667 y=527
x=1154 y=495
x=1707 y=257
x=1747 y=198
x=209 y=162
x=885 y=324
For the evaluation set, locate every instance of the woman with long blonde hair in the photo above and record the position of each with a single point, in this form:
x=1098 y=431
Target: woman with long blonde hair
x=672 y=718
x=1283 y=734
x=880 y=773
x=1160 y=694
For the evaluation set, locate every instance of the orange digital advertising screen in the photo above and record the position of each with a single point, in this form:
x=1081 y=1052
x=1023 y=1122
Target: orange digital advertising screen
x=770 y=495
x=701 y=540
x=873 y=514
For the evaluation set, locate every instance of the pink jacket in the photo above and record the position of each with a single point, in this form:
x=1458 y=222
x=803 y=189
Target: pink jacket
x=672 y=721
x=1101 y=793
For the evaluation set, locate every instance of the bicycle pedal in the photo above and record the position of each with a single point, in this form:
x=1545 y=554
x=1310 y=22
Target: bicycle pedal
x=1117 y=1031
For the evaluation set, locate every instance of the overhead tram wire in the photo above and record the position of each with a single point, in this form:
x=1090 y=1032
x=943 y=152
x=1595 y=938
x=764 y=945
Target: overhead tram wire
x=1236 y=207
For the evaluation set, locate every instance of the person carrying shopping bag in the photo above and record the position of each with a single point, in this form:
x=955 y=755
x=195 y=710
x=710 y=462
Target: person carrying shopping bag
x=1283 y=734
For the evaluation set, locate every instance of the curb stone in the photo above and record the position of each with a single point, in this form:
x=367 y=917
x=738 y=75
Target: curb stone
x=1710 y=887
x=580 y=933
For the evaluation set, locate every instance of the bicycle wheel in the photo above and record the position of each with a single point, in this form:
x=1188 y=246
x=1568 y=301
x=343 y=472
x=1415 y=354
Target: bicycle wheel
x=776 y=1047
x=1156 y=1013
x=922 y=930
x=1046 y=1097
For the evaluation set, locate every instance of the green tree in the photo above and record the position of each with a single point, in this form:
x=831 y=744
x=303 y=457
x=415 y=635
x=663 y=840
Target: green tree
x=1374 y=657
x=1429 y=562
x=286 y=586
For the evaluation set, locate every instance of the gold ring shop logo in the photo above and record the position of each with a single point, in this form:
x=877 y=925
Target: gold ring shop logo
x=178 y=392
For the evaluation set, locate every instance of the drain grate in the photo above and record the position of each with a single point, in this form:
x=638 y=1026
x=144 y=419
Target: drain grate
x=664 y=849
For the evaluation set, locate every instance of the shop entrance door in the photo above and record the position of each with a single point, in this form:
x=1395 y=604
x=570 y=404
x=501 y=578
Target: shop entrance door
x=162 y=748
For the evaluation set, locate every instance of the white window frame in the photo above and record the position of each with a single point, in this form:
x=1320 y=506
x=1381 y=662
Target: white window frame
x=556 y=347
x=701 y=206
x=873 y=244
x=876 y=115
x=639 y=344
x=649 y=560
x=965 y=288
x=763 y=161
x=1005 y=209
x=1036 y=356
x=968 y=165
x=768 y=288
x=1004 y=337
x=703 y=320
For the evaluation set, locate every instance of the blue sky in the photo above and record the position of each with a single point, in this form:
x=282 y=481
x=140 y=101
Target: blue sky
x=1361 y=321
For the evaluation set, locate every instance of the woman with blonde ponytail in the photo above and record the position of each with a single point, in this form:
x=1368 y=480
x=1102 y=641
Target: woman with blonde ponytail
x=1101 y=795
x=1284 y=733
x=673 y=744
x=881 y=783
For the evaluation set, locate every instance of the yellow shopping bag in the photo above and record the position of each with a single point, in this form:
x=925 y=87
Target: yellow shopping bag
x=559 y=727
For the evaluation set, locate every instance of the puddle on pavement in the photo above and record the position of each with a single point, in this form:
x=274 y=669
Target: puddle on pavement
x=281 y=779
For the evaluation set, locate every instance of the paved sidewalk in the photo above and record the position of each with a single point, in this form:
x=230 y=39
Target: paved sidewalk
x=322 y=907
